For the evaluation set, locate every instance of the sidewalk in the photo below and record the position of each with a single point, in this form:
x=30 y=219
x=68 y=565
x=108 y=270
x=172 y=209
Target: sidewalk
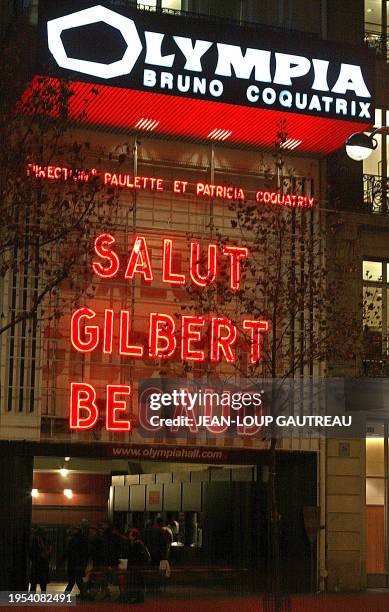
x=194 y=600
x=327 y=603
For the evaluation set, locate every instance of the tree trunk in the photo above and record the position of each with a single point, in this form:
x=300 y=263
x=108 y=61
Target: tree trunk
x=275 y=600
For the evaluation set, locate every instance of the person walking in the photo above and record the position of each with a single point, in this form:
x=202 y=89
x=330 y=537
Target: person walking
x=77 y=555
x=40 y=553
x=97 y=584
x=160 y=547
x=159 y=544
x=132 y=582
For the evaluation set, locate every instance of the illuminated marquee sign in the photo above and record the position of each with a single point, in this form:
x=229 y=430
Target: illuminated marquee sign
x=144 y=50
x=178 y=186
x=91 y=331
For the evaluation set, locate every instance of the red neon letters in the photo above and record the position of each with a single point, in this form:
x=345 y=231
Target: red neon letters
x=223 y=338
x=125 y=348
x=116 y=406
x=83 y=413
x=102 y=244
x=287 y=199
x=191 y=339
x=163 y=337
x=139 y=262
x=87 y=340
x=167 y=275
x=178 y=186
x=195 y=260
x=189 y=335
x=256 y=329
x=235 y=254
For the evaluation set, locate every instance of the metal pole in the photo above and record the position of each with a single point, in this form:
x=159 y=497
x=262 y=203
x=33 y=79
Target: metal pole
x=386 y=500
x=384 y=174
x=135 y=164
x=384 y=26
x=212 y=168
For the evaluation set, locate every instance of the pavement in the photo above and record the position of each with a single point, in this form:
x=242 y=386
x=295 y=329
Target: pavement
x=338 y=603
x=198 y=599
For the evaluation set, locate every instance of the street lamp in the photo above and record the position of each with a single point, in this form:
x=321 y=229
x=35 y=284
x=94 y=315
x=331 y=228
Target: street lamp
x=360 y=145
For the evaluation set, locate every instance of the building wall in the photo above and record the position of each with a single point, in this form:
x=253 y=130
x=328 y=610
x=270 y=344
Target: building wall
x=345 y=501
x=157 y=215
x=357 y=236
x=350 y=12
x=89 y=501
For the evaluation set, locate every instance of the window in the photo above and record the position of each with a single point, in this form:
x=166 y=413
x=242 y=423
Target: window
x=164 y=4
x=375 y=308
x=376 y=26
x=374 y=163
x=229 y=9
x=373 y=15
x=172 y=4
x=290 y=14
x=376 y=169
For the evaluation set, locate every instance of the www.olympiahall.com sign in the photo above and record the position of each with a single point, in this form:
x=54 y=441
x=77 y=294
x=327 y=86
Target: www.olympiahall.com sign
x=143 y=50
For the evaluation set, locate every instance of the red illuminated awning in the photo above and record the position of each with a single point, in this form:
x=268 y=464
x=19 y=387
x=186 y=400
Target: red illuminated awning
x=201 y=120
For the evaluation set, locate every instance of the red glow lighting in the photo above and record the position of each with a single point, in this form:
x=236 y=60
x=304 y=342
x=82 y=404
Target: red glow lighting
x=235 y=253
x=120 y=109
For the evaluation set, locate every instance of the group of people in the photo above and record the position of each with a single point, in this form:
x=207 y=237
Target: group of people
x=95 y=557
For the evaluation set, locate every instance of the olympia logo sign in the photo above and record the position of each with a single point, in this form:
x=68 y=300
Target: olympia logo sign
x=91 y=15
x=323 y=82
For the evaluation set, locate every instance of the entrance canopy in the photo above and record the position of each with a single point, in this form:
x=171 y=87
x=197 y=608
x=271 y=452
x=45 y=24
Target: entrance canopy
x=124 y=110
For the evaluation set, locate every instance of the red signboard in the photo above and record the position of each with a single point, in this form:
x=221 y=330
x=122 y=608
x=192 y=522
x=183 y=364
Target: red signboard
x=125 y=110
x=176 y=75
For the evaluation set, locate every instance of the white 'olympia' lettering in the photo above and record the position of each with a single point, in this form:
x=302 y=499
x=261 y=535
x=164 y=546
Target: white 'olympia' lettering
x=230 y=56
x=192 y=53
x=233 y=61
